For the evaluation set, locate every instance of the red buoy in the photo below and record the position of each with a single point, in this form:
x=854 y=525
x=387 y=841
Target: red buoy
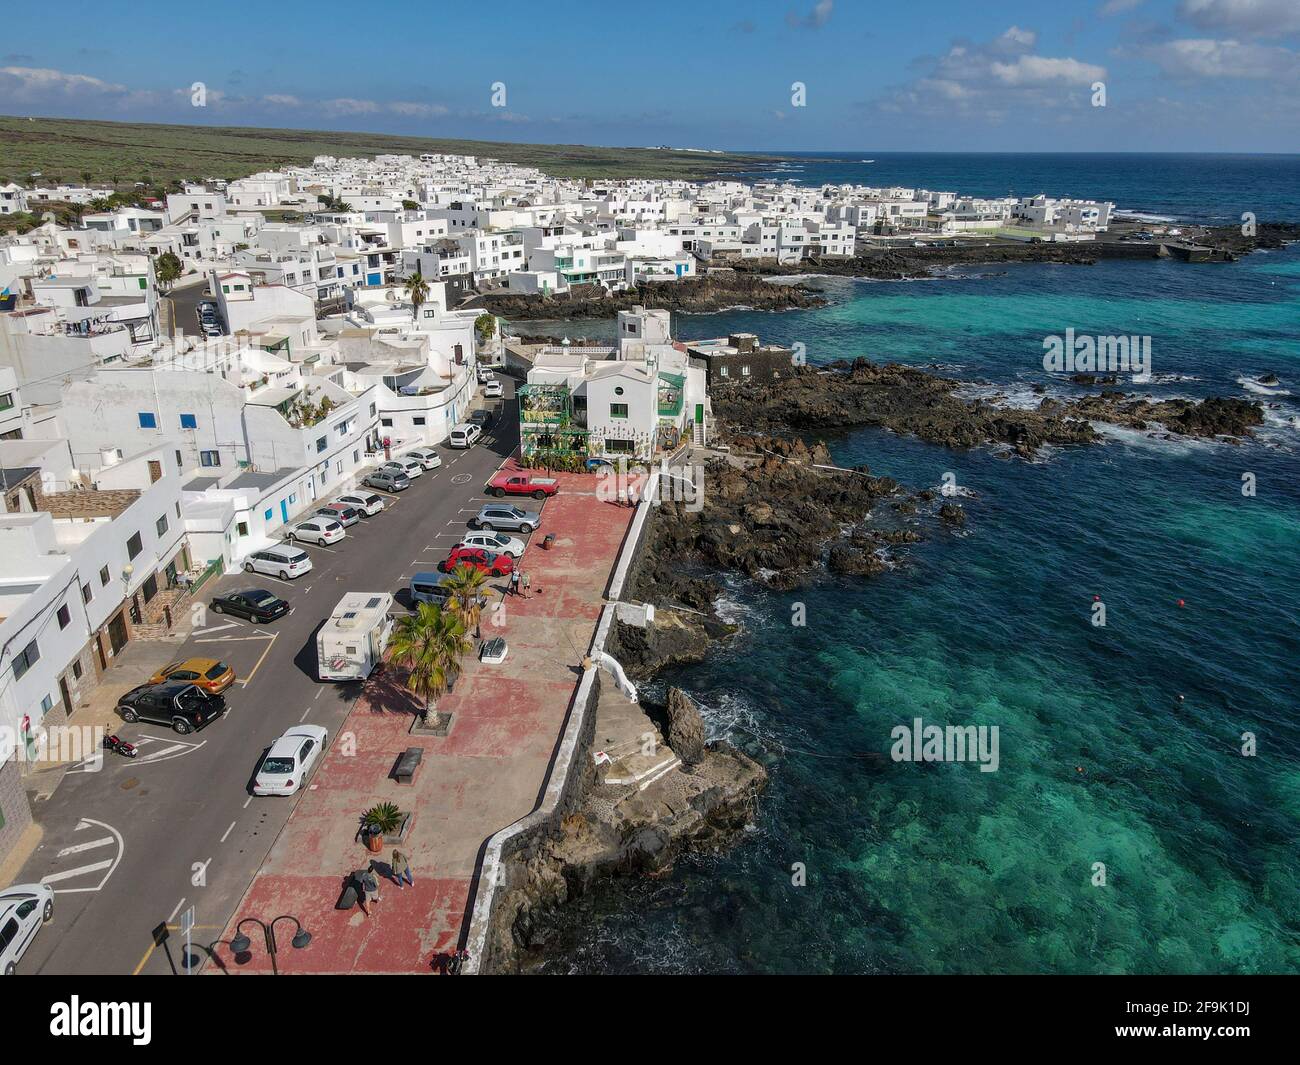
x=1181 y=603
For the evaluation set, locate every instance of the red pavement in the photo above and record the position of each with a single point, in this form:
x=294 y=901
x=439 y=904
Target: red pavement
x=486 y=774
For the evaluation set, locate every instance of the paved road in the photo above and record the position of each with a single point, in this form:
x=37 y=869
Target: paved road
x=184 y=310
x=140 y=842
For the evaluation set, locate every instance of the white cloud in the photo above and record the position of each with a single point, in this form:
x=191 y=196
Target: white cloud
x=1206 y=58
x=1117 y=7
x=1041 y=70
x=1251 y=18
x=815 y=19
x=33 y=82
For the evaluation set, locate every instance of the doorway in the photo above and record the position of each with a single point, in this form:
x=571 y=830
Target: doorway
x=117 y=635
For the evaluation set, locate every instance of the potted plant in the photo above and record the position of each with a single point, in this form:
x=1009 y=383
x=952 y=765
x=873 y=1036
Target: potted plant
x=380 y=820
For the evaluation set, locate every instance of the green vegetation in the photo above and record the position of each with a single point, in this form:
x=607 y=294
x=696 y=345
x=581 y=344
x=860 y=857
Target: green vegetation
x=167 y=269
x=70 y=149
x=430 y=644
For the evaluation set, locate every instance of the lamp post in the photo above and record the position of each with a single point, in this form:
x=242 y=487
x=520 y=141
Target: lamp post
x=241 y=943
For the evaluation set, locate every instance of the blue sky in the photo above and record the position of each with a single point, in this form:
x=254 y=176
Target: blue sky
x=959 y=75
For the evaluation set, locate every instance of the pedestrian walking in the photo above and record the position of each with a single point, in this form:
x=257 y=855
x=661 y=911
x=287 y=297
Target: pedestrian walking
x=514 y=583
x=523 y=584
x=370 y=886
x=401 y=866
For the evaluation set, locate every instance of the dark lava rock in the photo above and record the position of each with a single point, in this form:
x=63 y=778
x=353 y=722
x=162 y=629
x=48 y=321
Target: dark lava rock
x=685 y=728
x=952 y=514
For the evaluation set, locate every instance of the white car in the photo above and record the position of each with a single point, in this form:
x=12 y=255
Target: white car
x=426 y=457
x=24 y=908
x=367 y=502
x=282 y=560
x=493 y=390
x=466 y=434
x=493 y=651
x=318 y=531
x=286 y=765
x=495 y=542
x=411 y=467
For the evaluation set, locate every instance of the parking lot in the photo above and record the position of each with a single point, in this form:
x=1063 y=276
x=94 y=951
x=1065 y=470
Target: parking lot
x=185 y=830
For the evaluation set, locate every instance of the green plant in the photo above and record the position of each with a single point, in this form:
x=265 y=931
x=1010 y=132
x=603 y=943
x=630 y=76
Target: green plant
x=417 y=290
x=167 y=269
x=465 y=594
x=485 y=325
x=383 y=817
x=430 y=643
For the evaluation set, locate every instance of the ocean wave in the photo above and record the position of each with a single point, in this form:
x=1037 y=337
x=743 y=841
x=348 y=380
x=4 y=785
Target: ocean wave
x=1251 y=385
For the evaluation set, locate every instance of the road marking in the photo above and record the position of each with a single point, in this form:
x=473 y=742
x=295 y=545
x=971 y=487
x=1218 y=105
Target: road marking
x=304 y=715
x=318 y=693
x=270 y=644
x=67 y=874
x=84 y=847
x=168 y=750
x=172 y=916
x=247 y=801
x=228 y=831
x=222 y=628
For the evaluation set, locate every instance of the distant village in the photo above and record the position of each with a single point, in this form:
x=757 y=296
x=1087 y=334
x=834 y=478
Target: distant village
x=182 y=380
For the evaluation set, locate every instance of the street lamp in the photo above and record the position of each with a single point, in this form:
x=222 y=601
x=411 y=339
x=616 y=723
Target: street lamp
x=241 y=943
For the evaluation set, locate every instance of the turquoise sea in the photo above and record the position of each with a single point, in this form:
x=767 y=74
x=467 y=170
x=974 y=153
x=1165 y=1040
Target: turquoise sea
x=939 y=868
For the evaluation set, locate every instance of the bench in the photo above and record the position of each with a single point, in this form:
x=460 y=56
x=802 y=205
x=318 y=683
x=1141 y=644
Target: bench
x=407 y=763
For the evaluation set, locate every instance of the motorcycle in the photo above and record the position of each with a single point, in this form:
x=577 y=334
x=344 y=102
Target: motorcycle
x=119 y=745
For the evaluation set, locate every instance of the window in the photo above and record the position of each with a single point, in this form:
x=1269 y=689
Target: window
x=76 y=670
x=618 y=410
x=387 y=423
x=209 y=458
x=320 y=444
x=25 y=659
x=724 y=371
x=64 y=615
x=134 y=545
x=6 y=400
x=144 y=283
x=189 y=421
x=744 y=371
x=161 y=525
x=148 y=420
x=372 y=410
x=417 y=421
x=86 y=594
x=180 y=462
x=267 y=515
x=242 y=528
x=103 y=577
x=47 y=704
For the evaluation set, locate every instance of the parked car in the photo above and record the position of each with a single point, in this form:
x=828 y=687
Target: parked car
x=367 y=502
x=255 y=604
x=387 y=480
x=433 y=588
x=282 y=560
x=182 y=706
x=481 y=418
x=487 y=561
x=342 y=513
x=504 y=516
x=484 y=373
x=498 y=542
x=206 y=673
x=211 y=330
x=466 y=434
x=493 y=390
x=425 y=456
x=410 y=467
x=318 y=531
x=24 y=910
x=504 y=483
x=493 y=651
x=287 y=763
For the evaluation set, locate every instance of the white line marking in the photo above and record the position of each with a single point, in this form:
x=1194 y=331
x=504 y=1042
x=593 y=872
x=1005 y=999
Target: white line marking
x=228 y=831
x=166 y=751
x=68 y=874
x=174 y=912
x=304 y=715
x=247 y=801
x=84 y=847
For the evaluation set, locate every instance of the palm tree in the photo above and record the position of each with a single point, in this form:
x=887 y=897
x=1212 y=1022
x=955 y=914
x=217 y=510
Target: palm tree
x=417 y=288
x=429 y=643
x=465 y=586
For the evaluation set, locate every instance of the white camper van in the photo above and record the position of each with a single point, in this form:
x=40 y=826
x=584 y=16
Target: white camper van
x=351 y=643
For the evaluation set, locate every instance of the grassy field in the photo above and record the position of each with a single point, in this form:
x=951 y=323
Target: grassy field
x=124 y=152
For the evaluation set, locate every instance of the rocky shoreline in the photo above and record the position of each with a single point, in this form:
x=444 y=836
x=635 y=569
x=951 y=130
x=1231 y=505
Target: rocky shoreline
x=909 y=263
x=850 y=395
x=697 y=295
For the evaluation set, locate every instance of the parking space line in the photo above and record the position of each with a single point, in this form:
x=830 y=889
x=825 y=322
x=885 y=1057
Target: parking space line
x=228 y=831
x=270 y=643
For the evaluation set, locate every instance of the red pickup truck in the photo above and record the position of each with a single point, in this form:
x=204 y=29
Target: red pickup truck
x=520 y=484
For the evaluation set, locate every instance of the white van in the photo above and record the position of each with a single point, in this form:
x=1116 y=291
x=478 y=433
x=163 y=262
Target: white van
x=466 y=434
x=283 y=560
x=351 y=643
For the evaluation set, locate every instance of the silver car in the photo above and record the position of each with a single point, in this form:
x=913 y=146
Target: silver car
x=504 y=516
x=387 y=481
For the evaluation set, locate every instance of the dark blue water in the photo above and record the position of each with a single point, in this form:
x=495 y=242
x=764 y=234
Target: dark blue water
x=1204 y=188
x=942 y=868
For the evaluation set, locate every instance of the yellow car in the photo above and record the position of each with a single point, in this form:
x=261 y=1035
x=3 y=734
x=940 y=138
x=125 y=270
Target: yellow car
x=206 y=673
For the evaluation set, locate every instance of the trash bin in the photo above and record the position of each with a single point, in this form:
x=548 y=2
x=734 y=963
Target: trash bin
x=549 y=542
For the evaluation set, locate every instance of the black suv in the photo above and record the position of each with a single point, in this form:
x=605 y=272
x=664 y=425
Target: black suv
x=182 y=706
